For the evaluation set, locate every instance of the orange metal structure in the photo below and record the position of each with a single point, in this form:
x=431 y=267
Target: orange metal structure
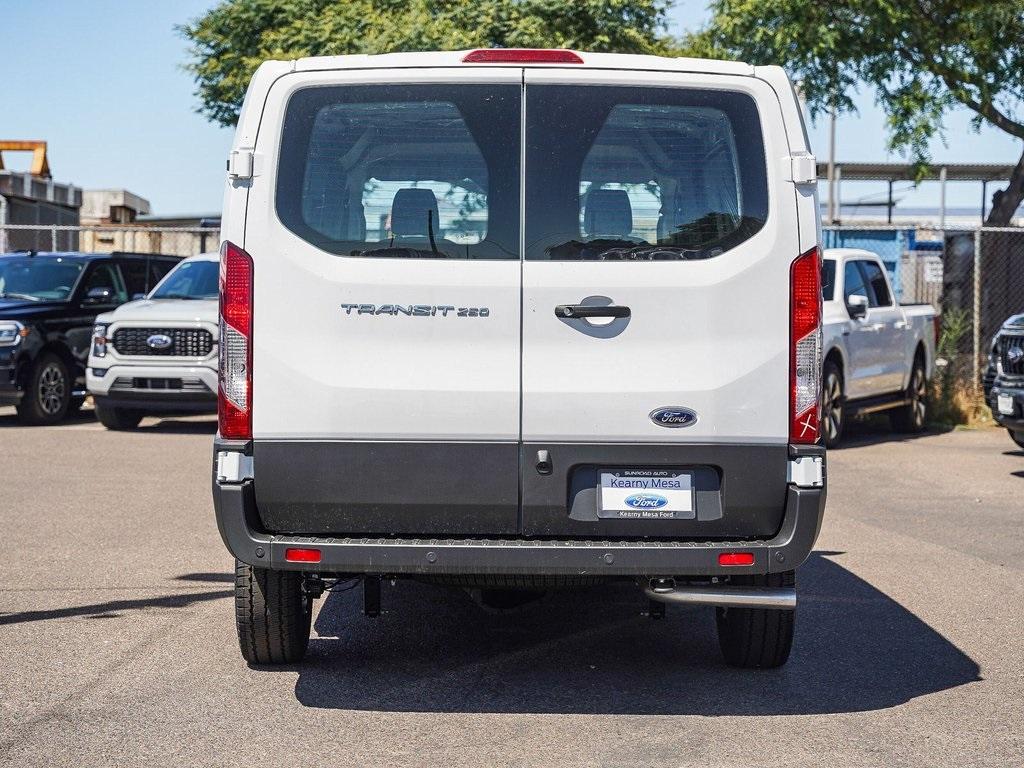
x=40 y=165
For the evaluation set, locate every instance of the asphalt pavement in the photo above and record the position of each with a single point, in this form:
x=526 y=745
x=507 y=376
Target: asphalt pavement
x=117 y=642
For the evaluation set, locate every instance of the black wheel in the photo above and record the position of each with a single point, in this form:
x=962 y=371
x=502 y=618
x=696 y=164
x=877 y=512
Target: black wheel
x=831 y=405
x=757 y=637
x=272 y=614
x=117 y=418
x=1017 y=437
x=911 y=417
x=48 y=395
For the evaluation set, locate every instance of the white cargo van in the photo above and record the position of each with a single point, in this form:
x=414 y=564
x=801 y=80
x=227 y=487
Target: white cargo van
x=510 y=318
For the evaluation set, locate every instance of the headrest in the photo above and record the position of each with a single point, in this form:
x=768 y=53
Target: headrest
x=409 y=212
x=608 y=213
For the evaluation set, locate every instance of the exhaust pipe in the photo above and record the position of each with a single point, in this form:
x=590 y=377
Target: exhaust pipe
x=778 y=598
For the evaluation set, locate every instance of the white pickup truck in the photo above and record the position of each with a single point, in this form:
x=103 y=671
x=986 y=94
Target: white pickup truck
x=879 y=355
x=158 y=356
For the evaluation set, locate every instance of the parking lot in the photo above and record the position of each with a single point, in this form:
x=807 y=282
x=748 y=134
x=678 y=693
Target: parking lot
x=117 y=641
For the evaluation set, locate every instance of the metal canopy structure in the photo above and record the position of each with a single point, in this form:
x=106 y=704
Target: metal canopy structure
x=893 y=172
x=905 y=171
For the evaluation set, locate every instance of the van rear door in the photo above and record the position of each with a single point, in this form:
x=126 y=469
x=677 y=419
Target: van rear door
x=659 y=235
x=384 y=229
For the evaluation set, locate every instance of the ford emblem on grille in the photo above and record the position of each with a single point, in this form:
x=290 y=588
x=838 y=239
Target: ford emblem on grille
x=674 y=418
x=646 y=501
x=159 y=341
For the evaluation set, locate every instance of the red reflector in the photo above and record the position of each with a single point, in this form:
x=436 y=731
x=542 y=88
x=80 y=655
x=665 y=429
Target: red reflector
x=302 y=555
x=736 y=558
x=522 y=56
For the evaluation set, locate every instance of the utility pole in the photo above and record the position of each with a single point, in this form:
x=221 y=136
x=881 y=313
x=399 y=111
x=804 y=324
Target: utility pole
x=832 y=205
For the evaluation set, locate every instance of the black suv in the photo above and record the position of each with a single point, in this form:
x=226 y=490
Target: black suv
x=1004 y=379
x=48 y=302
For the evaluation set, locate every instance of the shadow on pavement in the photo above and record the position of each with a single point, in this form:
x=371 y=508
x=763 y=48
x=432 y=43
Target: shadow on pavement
x=872 y=430
x=592 y=652
x=223 y=577
x=110 y=609
x=182 y=426
x=9 y=418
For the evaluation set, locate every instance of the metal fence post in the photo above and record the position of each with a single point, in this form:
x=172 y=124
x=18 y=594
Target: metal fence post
x=976 y=320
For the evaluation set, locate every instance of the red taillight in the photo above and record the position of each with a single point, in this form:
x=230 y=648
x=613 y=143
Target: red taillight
x=805 y=347
x=297 y=555
x=521 y=56
x=234 y=392
x=736 y=558
x=937 y=329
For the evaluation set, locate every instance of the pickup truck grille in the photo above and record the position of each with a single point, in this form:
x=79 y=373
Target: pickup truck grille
x=1011 y=354
x=185 y=342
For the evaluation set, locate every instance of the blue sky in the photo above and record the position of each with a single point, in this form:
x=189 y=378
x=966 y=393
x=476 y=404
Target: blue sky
x=102 y=82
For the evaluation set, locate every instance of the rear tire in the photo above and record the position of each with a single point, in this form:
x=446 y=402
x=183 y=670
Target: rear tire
x=1017 y=437
x=272 y=614
x=832 y=418
x=911 y=417
x=757 y=637
x=47 y=397
x=117 y=418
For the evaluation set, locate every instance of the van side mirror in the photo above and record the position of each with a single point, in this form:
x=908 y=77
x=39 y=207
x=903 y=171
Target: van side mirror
x=99 y=295
x=857 y=306
x=137 y=296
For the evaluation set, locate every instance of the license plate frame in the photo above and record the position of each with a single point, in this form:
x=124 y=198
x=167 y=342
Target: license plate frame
x=646 y=494
x=1005 y=405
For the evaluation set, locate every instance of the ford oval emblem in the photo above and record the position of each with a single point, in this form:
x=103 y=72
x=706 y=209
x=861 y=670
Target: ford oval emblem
x=646 y=501
x=674 y=418
x=159 y=341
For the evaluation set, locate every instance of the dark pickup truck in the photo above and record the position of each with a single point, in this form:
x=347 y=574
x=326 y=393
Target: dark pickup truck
x=1004 y=380
x=48 y=303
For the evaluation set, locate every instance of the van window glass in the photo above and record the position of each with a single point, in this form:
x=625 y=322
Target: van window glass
x=828 y=279
x=879 y=294
x=644 y=174
x=416 y=171
x=853 y=282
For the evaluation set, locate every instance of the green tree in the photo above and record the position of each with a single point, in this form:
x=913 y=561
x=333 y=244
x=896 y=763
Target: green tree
x=921 y=57
x=232 y=39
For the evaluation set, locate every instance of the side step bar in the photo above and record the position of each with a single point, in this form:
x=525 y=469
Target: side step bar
x=779 y=598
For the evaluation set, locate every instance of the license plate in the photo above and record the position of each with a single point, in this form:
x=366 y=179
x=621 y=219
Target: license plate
x=1006 y=405
x=657 y=494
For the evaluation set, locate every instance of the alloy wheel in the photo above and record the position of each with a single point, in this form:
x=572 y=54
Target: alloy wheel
x=52 y=389
x=918 y=397
x=832 y=407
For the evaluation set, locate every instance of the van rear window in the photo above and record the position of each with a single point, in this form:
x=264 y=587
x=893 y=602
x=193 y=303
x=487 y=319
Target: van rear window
x=417 y=171
x=641 y=174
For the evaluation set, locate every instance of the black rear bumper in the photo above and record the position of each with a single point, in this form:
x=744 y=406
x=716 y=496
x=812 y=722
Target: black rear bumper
x=238 y=520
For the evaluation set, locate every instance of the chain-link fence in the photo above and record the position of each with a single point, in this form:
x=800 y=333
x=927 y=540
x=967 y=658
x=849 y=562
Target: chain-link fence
x=973 y=277
x=175 y=241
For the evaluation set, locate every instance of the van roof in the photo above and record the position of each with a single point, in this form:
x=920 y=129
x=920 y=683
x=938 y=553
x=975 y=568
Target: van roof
x=590 y=61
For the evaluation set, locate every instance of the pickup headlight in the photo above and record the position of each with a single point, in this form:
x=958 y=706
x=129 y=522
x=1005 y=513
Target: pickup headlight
x=11 y=333
x=99 y=340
